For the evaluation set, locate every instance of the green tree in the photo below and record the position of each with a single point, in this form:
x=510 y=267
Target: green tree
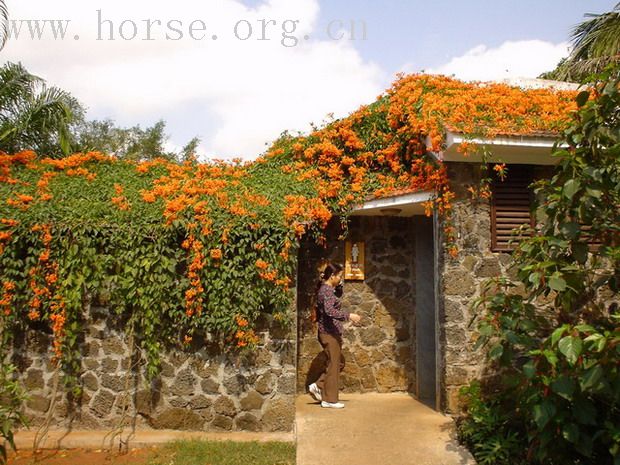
x=557 y=396
x=189 y=150
x=34 y=116
x=135 y=143
x=50 y=121
x=596 y=44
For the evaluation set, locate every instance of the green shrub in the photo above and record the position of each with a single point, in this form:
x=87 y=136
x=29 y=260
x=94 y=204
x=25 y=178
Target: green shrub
x=490 y=432
x=558 y=396
x=11 y=398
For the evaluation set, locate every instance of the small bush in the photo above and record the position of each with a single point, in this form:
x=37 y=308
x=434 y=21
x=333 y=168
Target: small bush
x=493 y=436
x=11 y=398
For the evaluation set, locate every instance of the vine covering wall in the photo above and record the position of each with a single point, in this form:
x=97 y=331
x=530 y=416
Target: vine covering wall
x=204 y=249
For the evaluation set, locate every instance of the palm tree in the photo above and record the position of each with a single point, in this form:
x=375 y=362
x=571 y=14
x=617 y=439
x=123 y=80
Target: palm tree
x=4 y=24
x=32 y=115
x=596 y=44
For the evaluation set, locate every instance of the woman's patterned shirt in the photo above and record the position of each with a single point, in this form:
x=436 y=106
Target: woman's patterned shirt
x=330 y=316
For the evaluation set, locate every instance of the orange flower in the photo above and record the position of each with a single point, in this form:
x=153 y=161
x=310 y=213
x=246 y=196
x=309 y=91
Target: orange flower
x=216 y=254
x=9 y=222
x=453 y=251
x=51 y=278
x=33 y=315
x=501 y=170
x=268 y=275
x=23 y=201
x=245 y=337
x=76 y=160
x=467 y=148
x=347 y=161
x=300 y=229
x=148 y=197
x=121 y=202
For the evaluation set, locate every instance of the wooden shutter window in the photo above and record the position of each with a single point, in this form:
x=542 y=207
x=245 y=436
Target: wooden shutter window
x=510 y=206
x=593 y=244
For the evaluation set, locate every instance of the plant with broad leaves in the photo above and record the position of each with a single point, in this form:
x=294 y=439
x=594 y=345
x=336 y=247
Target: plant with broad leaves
x=557 y=343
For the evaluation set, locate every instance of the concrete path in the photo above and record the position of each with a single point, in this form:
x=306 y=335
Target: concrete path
x=376 y=429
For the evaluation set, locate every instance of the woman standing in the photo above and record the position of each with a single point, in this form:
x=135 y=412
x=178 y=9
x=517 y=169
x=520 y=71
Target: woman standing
x=330 y=319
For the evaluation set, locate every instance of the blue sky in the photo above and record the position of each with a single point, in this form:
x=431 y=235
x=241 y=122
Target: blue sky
x=429 y=33
x=237 y=95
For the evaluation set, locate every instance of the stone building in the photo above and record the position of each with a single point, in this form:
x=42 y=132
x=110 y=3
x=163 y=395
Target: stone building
x=414 y=337
x=415 y=300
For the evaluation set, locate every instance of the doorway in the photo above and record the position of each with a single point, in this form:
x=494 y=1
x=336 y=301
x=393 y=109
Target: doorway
x=393 y=348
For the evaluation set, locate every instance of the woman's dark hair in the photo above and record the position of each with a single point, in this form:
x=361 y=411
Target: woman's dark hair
x=330 y=270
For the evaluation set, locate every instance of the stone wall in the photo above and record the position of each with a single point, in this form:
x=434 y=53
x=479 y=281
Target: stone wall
x=198 y=388
x=460 y=282
x=380 y=351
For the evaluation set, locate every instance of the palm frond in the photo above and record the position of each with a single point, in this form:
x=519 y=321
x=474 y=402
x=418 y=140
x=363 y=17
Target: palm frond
x=4 y=24
x=16 y=83
x=32 y=115
x=597 y=36
x=50 y=109
x=596 y=42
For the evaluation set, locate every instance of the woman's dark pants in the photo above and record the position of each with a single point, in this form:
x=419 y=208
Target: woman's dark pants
x=329 y=381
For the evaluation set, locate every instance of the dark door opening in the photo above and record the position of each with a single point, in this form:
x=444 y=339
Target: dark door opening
x=425 y=339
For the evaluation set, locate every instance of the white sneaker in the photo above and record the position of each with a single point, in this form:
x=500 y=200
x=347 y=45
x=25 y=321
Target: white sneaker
x=332 y=405
x=315 y=391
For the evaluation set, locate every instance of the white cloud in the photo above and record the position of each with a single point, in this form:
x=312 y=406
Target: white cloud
x=253 y=89
x=512 y=59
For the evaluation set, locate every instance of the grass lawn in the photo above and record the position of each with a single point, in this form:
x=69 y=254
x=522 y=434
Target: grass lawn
x=224 y=453
x=194 y=452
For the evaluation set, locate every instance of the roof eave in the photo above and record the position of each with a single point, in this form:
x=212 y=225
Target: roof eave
x=517 y=149
x=404 y=205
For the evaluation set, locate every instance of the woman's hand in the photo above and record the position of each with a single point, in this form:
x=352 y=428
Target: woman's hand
x=355 y=318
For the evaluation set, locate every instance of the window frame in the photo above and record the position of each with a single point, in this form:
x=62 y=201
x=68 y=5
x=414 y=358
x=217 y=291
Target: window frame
x=526 y=170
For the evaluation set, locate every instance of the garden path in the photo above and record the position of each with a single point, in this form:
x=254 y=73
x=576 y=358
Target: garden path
x=377 y=429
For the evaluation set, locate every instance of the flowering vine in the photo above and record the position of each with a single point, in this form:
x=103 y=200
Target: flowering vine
x=185 y=247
